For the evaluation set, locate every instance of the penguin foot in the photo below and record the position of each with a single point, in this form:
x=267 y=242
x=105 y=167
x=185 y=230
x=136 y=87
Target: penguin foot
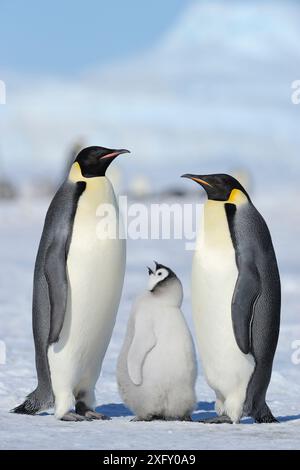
x=264 y=415
x=187 y=419
x=266 y=419
x=174 y=418
x=223 y=419
x=74 y=417
x=136 y=419
x=160 y=418
x=83 y=410
x=96 y=416
x=148 y=419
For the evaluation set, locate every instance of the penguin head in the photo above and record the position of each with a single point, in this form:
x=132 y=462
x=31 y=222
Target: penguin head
x=164 y=283
x=94 y=161
x=220 y=187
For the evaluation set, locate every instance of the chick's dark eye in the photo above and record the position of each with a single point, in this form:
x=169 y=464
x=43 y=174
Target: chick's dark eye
x=159 y=274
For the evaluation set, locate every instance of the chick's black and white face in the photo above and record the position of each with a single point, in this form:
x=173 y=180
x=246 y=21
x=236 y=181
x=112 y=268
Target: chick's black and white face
x=158 y=277
x=165 y=285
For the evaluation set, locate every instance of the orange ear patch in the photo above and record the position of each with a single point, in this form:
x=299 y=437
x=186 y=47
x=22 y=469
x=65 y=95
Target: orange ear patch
x=237 y=197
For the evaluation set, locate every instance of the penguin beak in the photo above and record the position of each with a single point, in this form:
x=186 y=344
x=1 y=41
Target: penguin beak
x=116 y=153
x=197 y=179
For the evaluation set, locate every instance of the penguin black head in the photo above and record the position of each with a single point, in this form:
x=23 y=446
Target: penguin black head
x=218 y=187
x=94 y=161
x=160 y=276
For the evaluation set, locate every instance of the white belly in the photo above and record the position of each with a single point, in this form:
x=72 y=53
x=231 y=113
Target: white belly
x=95 y=273
x=214 y=278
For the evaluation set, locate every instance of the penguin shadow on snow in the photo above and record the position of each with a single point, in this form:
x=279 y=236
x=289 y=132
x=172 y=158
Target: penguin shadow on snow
x=285 y=419
x=206 y=410
x=114 y=410
x=203 y=411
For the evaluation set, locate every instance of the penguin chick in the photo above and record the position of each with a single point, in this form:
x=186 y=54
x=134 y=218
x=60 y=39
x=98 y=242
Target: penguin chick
x=157 y=368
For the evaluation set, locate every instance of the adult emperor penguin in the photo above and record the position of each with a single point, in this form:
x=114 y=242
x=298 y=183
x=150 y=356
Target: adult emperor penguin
x=236 y=300
x=157 y=367
x=78 y=281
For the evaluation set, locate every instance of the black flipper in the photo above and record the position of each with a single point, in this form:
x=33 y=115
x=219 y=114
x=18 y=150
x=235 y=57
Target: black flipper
x=56 y=275
x=247 y=289
x=56 y=269
x=243 y=304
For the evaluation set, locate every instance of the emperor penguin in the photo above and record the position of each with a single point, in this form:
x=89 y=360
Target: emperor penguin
x=157 y=368
x=78 y=282
x=236 y=298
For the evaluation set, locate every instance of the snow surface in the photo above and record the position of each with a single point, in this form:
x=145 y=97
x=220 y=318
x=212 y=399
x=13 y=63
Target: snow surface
x=216 y=91
x=21 y=225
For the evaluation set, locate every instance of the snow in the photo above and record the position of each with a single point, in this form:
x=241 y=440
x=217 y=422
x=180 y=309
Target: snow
x=213 y=95
x=21 y=225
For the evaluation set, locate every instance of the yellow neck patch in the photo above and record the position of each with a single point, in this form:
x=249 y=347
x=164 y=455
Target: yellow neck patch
x=92 y=184
x=237 y=197
x=75 y=174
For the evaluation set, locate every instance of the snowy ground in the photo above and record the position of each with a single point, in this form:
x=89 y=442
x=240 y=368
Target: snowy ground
x=21 y=224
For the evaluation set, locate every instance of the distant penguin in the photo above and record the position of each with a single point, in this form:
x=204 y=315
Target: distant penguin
x=157 y=367
x=78 y=282
x=236 y=300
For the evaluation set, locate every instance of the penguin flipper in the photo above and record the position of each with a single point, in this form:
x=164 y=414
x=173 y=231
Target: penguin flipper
x=143 y=342
x=56 y=276
x=55 y=269
x=248 y=285
x=246 y=294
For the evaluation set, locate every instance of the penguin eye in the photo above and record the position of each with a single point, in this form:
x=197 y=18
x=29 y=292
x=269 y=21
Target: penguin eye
x=160 y=273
